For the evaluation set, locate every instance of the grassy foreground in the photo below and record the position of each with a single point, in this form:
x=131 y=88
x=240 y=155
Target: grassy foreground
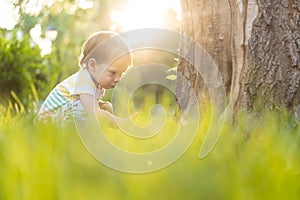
x=253 y=160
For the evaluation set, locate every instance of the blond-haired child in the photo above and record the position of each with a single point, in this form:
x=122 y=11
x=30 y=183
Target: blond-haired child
x=104 y=57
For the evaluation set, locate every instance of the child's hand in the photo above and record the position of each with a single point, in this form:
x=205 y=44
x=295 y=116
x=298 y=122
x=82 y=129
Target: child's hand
x=105 y=105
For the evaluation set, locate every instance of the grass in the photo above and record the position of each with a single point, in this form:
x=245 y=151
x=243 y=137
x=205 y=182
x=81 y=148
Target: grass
x=255 y=159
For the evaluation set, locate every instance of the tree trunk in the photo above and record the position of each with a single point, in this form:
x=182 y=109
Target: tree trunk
x=268 y=69
x=200 y=20
x=243 y=12
x=273 y=74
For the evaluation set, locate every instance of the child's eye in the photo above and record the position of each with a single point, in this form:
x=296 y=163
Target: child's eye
x=112 y=73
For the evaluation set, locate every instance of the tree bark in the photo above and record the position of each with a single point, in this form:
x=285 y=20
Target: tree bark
x=255 y=44
x=200 y=20
x=273 y=76
x=243 y=13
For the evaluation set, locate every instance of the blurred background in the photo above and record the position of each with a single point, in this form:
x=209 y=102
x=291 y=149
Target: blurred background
x=40 y=42
x=54 y=30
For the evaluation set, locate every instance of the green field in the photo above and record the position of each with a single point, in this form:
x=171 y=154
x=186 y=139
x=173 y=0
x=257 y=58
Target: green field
x=254 y=159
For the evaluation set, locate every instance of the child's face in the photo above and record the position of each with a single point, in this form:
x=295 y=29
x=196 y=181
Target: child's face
x=111 y=75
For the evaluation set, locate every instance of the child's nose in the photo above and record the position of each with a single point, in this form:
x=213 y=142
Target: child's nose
x=117 y=79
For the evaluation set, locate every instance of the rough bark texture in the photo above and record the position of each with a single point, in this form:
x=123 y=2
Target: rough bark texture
x=273 y=73
x=256 y=45
x=243 y=13
x=208 y=23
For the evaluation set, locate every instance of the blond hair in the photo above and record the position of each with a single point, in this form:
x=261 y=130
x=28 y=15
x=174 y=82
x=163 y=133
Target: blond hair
x=104 y=46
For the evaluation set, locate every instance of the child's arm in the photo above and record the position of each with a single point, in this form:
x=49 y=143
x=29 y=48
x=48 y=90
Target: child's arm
x=91 y=107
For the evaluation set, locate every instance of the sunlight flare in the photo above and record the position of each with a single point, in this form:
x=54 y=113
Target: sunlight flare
x=143 y=14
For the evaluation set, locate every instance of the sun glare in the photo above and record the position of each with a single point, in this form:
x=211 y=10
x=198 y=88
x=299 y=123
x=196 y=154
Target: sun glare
x=133 y=14
x=143 y=14
x=8 y=15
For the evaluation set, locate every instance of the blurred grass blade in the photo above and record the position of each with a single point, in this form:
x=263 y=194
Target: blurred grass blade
x=34 y=92
x=20 y=104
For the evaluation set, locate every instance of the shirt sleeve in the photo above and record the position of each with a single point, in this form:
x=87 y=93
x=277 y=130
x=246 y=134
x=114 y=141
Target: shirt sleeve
x=82 y=84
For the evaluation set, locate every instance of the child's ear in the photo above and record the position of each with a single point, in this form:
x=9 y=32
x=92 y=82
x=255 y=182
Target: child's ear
x=92 y=64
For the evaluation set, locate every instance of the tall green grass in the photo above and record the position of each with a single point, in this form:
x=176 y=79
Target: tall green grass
x=254 y=159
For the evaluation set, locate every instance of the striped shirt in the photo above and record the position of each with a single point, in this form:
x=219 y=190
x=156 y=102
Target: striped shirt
x=67 y=92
